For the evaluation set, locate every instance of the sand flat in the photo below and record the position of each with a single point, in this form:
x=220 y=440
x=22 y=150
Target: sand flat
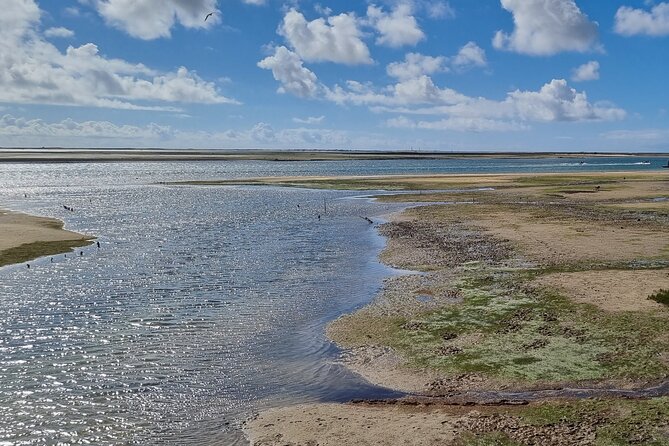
x=611 y=290
x=352 y=425
x=551 y=241
x=17 y=229
x=24 y=237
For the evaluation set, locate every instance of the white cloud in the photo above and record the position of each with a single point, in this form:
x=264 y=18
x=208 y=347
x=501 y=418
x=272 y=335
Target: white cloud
x=460 y=124
x=13 y=127
x=546 y=27
x=416 y=65
x=322 y=10
x=470 y=55
x=59 y=32
x=439 y=9
x=631 y=21
x=264 y=135
x=255 y=2
x=335 y=39
x=32 y=70
x=397 y=28
x=287 y=68
x=152 y=19
x=21 y=132
x=72 y=11
x=554 y=102
x=587 y=72
x=414 y=91
x=311 y=120
x=17 y=18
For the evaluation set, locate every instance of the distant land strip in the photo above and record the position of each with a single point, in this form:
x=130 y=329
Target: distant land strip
x=62 y=155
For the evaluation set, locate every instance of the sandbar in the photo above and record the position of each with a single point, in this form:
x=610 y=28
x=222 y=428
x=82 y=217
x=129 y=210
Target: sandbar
x=26 y=237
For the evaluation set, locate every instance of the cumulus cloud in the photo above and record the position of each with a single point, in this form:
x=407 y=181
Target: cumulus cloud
x=287 y=68
x=470 y=55
x=59 y=32
x=32 y=70
x=152 y=19
x=631 y=21
x=396 y=28
x=416 y=65
x=546 y=27
x=586 y=72
x=311 y=120
x=554 y=102
x=414 y=91
x=335 y=39
x=17 y=18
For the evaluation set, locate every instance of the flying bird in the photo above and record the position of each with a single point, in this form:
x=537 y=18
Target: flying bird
x=208 y=15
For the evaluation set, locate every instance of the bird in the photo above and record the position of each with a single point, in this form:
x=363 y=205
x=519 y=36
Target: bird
x=208 y=15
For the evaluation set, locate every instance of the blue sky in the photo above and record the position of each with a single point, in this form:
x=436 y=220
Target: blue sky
x=388 y=74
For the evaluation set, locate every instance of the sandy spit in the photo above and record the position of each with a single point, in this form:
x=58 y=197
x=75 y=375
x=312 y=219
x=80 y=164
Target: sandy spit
x=18 y=229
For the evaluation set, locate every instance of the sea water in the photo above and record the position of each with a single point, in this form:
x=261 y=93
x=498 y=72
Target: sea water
x=202 y=305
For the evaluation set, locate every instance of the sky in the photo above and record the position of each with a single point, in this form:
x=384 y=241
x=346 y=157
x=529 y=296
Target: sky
x=456 y=75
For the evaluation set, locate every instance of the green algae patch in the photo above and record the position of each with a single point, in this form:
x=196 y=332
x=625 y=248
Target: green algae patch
x=505 y=330
x=504 y=326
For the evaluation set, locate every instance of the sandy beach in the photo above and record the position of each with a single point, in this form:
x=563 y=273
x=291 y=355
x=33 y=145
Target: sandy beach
x=25 y=237
x=542 y=283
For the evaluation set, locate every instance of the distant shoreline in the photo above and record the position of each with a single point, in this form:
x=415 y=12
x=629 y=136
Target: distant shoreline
x=61 y=155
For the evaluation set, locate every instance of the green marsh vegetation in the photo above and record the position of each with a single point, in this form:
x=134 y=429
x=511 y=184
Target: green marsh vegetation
x=661 y=297
x=601 y=422
x=502 y=329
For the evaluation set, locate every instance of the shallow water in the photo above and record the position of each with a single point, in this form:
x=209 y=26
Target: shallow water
x=202 y=305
